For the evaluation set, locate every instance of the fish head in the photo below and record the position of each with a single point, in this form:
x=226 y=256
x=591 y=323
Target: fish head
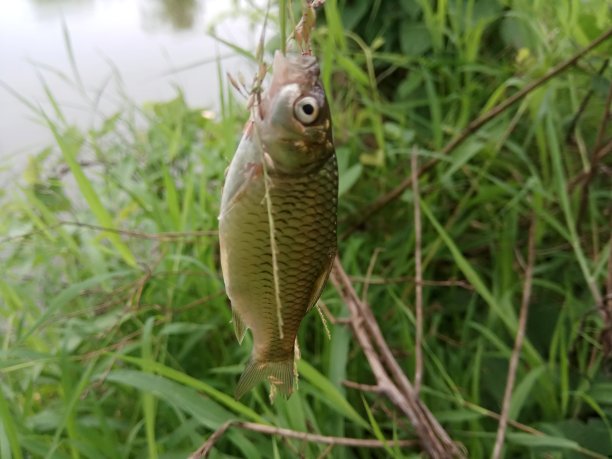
x=293 y=121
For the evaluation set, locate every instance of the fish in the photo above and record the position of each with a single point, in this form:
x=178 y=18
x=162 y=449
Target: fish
x=278 y=219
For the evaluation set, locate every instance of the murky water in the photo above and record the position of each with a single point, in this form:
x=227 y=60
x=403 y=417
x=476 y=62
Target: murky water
x=146 y=41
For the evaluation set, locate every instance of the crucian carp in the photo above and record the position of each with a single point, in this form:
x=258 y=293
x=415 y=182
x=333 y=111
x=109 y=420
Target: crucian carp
x=277 y=224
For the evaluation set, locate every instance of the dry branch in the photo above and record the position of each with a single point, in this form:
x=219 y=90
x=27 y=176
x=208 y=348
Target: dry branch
x=166 y=236
x=205 y=449
x=400 y=280
x=418 y=268
x=518 y=342
x=390 y=379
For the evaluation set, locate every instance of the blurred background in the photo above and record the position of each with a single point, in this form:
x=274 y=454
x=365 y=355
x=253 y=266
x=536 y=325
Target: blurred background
x=141 y=50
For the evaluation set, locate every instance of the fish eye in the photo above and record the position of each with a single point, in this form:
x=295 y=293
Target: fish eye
x=306 y=110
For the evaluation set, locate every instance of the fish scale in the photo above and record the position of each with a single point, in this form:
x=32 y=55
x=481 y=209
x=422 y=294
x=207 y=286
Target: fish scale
x=302 y=253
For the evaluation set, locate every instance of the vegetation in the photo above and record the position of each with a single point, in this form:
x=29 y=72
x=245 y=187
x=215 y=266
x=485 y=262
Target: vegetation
x=115 y=330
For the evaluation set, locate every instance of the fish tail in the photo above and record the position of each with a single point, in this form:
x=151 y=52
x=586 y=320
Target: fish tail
x=279 y=373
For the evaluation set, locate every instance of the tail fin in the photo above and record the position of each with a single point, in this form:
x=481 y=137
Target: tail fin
x=280 y=375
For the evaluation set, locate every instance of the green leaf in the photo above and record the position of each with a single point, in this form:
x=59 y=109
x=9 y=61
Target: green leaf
x=224 y=399
x=533 y=441
x=602 y=393
x=461 y=157
x=376 y=428
x=523 y=390
x=415 y=39
x=353 y=70
x=70 y=143
x=349 y=177
x=463 y=264
x=330 y=394
x=8 y=431
x=67 y=295
x=209 y=413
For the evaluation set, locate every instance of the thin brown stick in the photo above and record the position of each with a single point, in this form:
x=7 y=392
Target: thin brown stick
x=402 y=279
x=201 y=301
x=360 y=386
x=473 y=126
x=205 y=449
x=518 y=342
x=167 y=236
x=418 y=273
x=472 y=406
x=390 y=379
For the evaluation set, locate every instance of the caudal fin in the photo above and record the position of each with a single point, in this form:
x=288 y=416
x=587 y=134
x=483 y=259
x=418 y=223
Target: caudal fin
x=279 y=374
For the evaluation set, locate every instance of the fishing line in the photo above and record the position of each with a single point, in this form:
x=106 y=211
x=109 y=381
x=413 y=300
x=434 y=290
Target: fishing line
x=256 y=91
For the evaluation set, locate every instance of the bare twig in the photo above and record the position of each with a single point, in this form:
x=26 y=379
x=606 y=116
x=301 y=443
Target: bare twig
x=166 y=236
x=205 y=449
x=476 y=124
x=390 y=379
x=361 y=387
x=201 y=301
x=402 y=279
x=418 y=268
x=518 y=342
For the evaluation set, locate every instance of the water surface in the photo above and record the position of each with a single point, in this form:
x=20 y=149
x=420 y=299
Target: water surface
x=144 y=40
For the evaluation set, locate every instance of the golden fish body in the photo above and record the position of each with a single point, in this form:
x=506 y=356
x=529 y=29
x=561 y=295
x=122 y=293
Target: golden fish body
x=291 y=132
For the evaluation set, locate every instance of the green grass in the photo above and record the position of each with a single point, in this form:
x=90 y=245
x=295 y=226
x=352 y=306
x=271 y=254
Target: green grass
x=116 y=342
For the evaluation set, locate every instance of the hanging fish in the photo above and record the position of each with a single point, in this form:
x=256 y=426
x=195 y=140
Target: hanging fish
x=277 y=225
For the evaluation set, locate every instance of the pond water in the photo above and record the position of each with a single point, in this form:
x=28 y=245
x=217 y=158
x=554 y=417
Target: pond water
x=149 y=42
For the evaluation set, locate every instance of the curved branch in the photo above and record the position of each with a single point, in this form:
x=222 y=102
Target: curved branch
x=390 y=379
x=205 y=449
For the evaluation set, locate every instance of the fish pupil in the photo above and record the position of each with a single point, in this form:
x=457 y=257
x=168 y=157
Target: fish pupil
x=308 y=109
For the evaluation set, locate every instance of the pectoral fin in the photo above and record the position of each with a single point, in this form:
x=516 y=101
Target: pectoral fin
x=320 y=283
x=240 y=178
x=239 y=326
